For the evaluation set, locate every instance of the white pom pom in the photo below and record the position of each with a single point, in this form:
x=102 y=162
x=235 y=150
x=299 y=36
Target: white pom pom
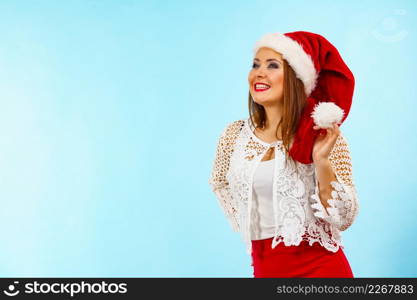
x=326 y=113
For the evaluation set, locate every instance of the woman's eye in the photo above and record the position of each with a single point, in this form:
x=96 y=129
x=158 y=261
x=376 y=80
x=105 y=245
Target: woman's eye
x=273 y=65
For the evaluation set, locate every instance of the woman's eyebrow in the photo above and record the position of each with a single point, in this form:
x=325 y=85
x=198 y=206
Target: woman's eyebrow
x=269 y=59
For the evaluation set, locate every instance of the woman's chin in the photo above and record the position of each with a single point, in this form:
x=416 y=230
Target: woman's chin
x=264 y=101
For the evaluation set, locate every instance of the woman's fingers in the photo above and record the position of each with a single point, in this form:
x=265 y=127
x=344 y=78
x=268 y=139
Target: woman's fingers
x=333 y=129
x=334 y=126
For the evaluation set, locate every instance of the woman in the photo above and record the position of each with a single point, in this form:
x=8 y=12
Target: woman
x=283 y=176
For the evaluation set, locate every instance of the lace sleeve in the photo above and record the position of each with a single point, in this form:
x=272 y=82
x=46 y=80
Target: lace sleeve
x=344 y=205
x=218 y=181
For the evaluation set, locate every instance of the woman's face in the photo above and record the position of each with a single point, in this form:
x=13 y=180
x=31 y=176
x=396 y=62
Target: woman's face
x=268 y=69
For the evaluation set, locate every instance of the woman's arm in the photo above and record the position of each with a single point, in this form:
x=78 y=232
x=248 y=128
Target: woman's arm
x=325 y=175
x=218 y=181
x=335 y=197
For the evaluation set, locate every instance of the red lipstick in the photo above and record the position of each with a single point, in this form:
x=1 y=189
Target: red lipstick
x=263 y=88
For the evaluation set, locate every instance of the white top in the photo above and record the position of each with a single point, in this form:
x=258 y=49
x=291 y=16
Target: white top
x=262 y=217
x=298 y=211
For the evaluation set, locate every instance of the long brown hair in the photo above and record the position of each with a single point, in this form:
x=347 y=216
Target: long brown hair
x=294 y=101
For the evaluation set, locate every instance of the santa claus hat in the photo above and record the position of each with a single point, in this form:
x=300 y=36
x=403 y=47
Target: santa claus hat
x=328 y=84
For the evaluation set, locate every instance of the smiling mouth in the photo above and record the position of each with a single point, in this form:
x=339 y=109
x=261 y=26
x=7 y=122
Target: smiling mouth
x=260 y=87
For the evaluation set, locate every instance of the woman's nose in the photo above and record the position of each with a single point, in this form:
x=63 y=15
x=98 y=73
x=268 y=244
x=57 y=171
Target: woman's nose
x=260 y=75
x=260 y=72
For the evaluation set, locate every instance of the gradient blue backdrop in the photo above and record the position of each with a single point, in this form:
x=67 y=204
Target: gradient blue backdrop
x=111 y=110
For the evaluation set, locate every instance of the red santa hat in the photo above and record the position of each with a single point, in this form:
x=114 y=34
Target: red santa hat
x=328 y=84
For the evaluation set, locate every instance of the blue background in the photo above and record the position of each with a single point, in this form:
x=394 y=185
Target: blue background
x=110 y=112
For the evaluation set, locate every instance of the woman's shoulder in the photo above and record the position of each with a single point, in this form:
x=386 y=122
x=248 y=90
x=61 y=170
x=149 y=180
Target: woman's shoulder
x=237 y=123
x=234 y=127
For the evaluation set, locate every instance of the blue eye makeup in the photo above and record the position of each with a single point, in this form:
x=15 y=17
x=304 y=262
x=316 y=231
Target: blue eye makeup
x=271 y=65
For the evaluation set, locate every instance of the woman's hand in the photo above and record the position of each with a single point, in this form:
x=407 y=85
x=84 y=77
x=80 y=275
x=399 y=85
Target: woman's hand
x=324 y=143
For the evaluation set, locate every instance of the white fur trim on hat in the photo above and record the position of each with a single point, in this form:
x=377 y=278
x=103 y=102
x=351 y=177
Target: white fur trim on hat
x=326 y=113
x=294 y=54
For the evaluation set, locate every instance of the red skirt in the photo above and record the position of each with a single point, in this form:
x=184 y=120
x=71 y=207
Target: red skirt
x=298 y=261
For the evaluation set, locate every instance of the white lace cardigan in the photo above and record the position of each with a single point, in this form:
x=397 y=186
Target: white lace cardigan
x=298 y=212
